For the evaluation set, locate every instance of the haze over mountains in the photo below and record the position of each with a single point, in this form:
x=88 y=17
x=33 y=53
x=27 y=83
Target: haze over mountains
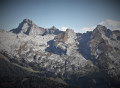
x=76 y=59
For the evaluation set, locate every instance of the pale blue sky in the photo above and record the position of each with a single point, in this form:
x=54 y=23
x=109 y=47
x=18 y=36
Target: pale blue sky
x=74 y=14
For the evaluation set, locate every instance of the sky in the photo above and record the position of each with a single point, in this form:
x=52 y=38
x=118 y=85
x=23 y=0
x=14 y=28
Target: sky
x=79 y=15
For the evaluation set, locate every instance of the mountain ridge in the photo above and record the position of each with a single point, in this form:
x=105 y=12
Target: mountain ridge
x=64 y=54
x=28 y=27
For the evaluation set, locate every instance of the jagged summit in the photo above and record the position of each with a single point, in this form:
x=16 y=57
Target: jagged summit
x=23 y=26
x=102 y=30
x=28 y=27
x=100 y=27
x=27 y=21
x=68 y=36
x=53 y=28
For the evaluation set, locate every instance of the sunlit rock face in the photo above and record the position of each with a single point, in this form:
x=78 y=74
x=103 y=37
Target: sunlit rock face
x=63 y=52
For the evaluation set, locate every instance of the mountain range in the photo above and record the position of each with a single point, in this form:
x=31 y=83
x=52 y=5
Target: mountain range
x=51 y=58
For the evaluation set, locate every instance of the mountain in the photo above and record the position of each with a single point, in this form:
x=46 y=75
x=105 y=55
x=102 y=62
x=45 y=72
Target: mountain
x=73 y=59
x=28 y=27
x=105 y=49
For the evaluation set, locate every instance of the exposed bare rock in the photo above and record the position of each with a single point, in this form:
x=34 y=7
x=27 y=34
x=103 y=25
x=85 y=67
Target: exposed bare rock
x=105 y=48
x=63 y=53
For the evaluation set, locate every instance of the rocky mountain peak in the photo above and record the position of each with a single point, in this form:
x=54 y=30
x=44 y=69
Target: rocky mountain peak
x=100 y=27
x=67 y=37
x=102 y=30
x=24 y=27
x=25 y=24
x=70 y=36
x=27 y=21
x=53 y=28
x=69 y=32
x=28 y=27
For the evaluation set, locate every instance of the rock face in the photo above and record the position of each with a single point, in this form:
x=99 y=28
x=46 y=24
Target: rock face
x=105 y=49
x=63 y=53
